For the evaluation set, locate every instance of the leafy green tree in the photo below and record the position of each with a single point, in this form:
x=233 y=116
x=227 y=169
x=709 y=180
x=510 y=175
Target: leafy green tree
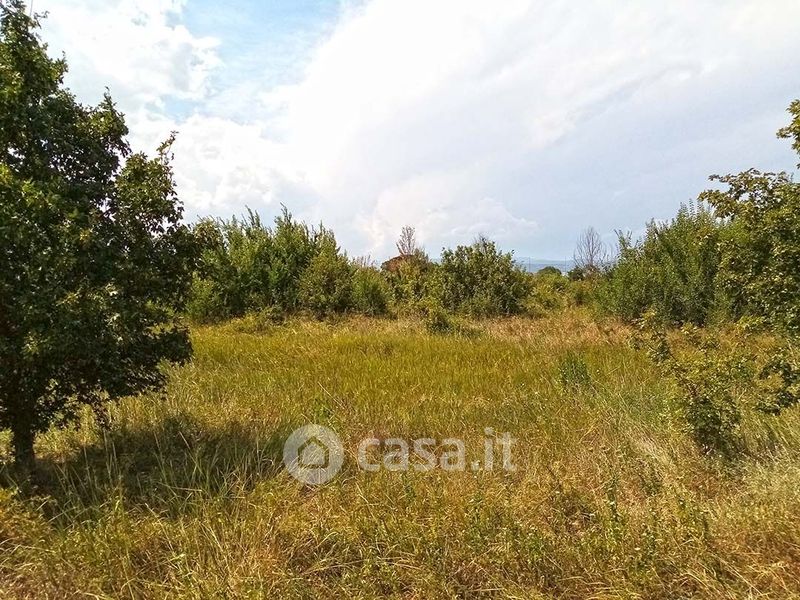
x=94 y=259
x=760 y=269
x=792 y=130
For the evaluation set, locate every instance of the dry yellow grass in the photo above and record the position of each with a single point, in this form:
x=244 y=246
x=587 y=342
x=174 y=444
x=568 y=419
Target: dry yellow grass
x=185 y=496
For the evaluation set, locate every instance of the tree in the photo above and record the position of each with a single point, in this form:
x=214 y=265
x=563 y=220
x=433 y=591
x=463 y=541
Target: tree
x=792 y=130
x=94 y=259
x=760 y=264
x=590 y=252
x=407 y=244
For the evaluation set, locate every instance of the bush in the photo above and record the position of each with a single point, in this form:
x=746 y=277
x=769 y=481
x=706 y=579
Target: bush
x=371 y=292
x=721 y=376
x=246 y=266
x=408 y=278
x=326 y=287
x=581 y=293
x=707 y=383
x=577 y=273
x=437 y=320
x=547 y=293
x=549 y=271
x=293 y=247
x=671 y=271
x=480 y=280
x=206 y=304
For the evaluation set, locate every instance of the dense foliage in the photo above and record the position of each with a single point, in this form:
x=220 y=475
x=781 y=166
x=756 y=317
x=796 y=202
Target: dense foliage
x=740 y=257
x=672 y=270
x=760 y=248
x=94 y=260
x=246 y=267
x=480 y=280
x=751 y=253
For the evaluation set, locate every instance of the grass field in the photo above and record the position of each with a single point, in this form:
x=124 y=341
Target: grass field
x=185 y=496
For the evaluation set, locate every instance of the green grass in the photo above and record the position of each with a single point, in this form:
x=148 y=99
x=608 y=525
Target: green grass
x=184 y=496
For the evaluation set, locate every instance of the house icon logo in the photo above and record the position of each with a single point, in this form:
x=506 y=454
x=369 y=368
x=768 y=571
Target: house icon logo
x=313 y=454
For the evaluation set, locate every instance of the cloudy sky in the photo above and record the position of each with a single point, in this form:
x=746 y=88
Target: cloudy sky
x=525 y=120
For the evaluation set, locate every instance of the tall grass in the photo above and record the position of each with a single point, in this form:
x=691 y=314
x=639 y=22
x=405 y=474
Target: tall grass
x=185 y=497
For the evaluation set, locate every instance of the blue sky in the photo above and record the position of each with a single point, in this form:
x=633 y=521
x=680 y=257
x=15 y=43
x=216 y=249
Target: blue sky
x=526 y=120
x=267 y=41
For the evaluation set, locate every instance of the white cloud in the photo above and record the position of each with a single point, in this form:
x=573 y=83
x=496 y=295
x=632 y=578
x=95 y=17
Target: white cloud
x=412 y=110
x=433 y=202
x=138 y=50
x=524 y=120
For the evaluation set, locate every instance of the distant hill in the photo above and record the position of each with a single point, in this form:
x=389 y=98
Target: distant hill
x=532 y=265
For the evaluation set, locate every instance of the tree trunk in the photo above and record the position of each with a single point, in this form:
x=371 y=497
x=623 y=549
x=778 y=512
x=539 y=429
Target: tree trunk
x=22 y=441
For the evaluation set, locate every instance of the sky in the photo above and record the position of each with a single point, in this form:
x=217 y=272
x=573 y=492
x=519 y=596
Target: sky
x=523 y=120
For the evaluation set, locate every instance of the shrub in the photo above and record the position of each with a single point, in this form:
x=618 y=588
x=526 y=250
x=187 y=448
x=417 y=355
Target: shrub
x=576 y=273
x=480 y=280
x=671 y=271
x=326 y=286
x=246 y=266
x=294 y=245
x=580 y=293
x=437 y=320
x=547 y=292
x=408 y=279
x=370 y=291
x=707 y=384
x=549 y=271
x=206 y=304
x=722 y=376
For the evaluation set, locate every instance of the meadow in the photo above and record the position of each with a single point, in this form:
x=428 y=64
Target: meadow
x=184 y=495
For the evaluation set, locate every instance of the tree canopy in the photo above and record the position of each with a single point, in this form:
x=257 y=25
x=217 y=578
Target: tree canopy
x=94 y=258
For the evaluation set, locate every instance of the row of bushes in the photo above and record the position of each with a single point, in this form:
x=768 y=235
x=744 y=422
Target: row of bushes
x=734 y=255
x=719 y=260
x=680 y=270
x=736 y=264
x=246 y=266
